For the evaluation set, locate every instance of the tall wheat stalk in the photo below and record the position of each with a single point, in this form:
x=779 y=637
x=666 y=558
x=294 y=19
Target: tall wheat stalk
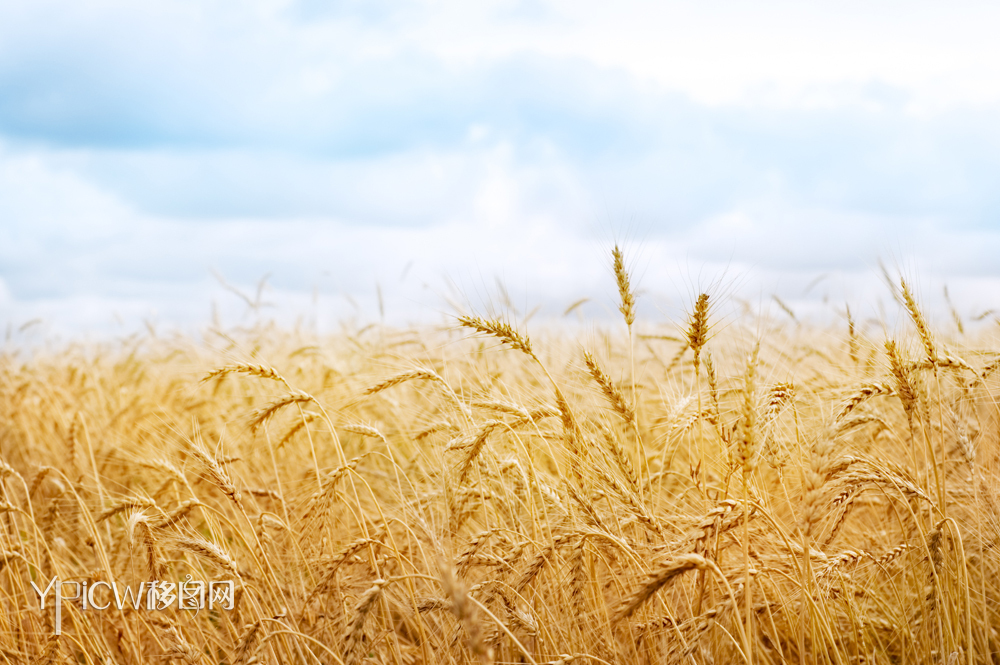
x=627 y=298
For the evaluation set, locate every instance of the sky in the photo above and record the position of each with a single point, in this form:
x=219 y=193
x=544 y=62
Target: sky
x=403 y=160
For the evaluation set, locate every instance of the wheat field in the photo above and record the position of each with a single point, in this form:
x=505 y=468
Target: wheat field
x=698 y=491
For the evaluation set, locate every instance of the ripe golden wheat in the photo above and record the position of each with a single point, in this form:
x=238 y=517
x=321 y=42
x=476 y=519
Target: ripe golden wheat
x=694 y=493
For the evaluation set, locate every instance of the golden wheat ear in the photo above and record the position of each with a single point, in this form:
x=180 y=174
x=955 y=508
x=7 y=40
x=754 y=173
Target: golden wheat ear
x=613 y=394
x=697 y=331
x=500 y=330
x=918 y=321
x=626 y=293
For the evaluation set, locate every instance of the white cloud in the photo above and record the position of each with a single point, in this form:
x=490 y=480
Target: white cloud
x=143 y=146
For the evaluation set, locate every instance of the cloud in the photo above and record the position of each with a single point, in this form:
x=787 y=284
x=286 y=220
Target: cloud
x=331 y=144
x=202 y=111
x=655 y=154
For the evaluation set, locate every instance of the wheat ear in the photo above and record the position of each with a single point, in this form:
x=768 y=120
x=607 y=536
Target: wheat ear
x=140 y=535
x=501 y=330
x=611 y=392
x=656 y=580
x=262 y=371
x=356 y=628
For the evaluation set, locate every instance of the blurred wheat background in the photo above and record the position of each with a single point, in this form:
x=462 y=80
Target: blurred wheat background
x=488 y=492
